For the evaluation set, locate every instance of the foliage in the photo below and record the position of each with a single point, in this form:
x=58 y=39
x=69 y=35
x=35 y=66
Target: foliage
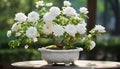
x=51 y=22
x=8 y=8
x=110 y=42
x=14 y=55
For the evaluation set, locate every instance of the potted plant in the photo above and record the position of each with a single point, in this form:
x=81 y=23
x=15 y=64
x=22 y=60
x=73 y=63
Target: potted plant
x=64 y=26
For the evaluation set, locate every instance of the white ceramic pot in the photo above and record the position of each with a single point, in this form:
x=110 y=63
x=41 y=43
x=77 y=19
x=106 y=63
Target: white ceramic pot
x=60 y=56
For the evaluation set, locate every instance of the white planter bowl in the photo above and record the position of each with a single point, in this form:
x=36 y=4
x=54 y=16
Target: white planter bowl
x=60 y=56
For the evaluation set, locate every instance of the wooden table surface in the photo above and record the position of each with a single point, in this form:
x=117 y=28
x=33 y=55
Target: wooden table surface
x=79 y=64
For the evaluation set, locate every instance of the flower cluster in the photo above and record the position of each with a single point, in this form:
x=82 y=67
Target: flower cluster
x=52 y=22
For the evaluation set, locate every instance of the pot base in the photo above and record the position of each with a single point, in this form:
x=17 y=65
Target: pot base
x=66 y=57
x=60 y=64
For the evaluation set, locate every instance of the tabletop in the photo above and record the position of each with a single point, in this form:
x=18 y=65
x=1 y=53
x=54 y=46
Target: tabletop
x=79 y=64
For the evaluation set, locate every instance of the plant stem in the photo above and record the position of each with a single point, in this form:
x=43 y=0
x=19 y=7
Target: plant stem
x=42 y=36
x=59 y=44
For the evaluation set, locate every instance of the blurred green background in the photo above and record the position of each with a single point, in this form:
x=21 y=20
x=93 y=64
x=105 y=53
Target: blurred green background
x=108 y=45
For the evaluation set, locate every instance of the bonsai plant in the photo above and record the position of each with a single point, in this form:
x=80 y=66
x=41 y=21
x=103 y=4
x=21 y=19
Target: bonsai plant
x=52 y=22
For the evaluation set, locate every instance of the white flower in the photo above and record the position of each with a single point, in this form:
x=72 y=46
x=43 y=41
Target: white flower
x=81 y=28
x=67 y=3
x=18 y=34
x=71 y=30
x=35 y=39
x=33 y=16
x=31 y=32
x=49 y=4
x=48 y=17
x=48 y=28
x=100 y=28
x=82 y=21
x=63 y=8
x=26 y=46
x=39 y=3
x=89 y=36
x=84 y=10
x=20 y=17
x=15 y=27
x=58 y=30
x=9 y=33
x=92 y=45
x=55 y=11
x=69 y=11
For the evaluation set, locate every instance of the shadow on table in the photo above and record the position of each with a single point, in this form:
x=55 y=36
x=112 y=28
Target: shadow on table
x=60 y=66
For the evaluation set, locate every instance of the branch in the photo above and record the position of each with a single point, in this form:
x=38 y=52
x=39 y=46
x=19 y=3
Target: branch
x=42 y=36
x=59 y=44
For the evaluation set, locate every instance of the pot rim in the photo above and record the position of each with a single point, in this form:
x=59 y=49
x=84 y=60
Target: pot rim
x=50 y=50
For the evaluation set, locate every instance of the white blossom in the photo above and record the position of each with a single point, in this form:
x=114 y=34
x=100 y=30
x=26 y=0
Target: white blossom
x=58 y=30
x=35 y=39
x=82 y=21
x=67 y=3
x=49 y=4
x=20 y=17
x=31 y=32
x=15 y=27
x=55 y=11
x=9 y=33
x=92 y=45
x=48 y=28
x=33 y=16
x=89 y=36
x=18 y=34
x=39 y=3
x=84 y=10
x=63 y=8
x=69 y=11
x=71 y=30
x=48 y=17
x=99 y=28
x=26 y=46
x=81 y=28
